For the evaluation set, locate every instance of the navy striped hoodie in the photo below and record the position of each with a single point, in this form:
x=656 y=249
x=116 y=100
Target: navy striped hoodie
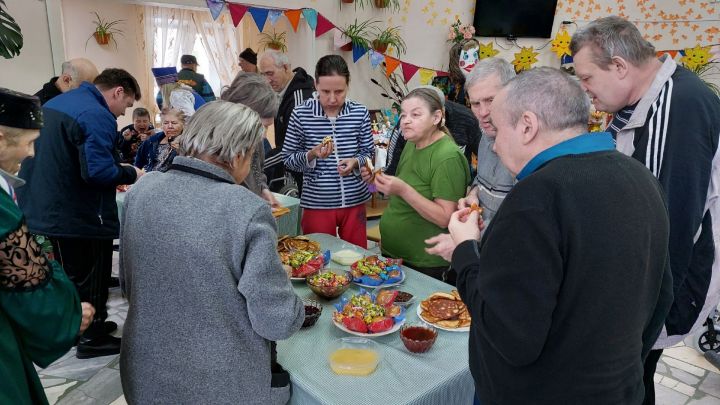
x=323 y=188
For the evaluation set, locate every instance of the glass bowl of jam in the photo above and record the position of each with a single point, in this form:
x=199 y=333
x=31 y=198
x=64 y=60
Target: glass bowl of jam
x=313 y=309
x=418 y=337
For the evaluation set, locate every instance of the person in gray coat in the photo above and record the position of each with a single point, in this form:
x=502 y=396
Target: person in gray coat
x=206 y=289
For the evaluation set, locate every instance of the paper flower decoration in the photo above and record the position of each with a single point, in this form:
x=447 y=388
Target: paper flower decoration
x=487 y=51
x=696 y=57
x=459 y=32
x=561 y=44
x=525 y=59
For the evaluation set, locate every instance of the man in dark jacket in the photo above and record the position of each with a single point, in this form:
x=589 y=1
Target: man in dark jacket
x=188 y=75
x=74 y=72
x=569 y=286
x=70 y=191
x=293 y=86
x=665 y=117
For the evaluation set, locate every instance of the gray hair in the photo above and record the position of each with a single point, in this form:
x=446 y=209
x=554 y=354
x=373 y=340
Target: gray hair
x=613 y=36
x=222 y=130
x=553 y=95
x=69 y=69
x=434 y=100
x=252 y=90
x=280 y=59
x=488 y=67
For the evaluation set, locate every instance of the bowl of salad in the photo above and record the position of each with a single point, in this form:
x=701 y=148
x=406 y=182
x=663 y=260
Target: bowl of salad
x=329 y=284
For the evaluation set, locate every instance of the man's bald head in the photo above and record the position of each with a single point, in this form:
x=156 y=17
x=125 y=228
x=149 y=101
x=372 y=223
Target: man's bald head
x=74 y=72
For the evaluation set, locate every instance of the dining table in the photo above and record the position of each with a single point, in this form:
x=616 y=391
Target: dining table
x=439 y=376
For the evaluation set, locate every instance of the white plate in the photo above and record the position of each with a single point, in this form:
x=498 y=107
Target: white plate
x=384 y=284
x=394 y=329
x=419 y=313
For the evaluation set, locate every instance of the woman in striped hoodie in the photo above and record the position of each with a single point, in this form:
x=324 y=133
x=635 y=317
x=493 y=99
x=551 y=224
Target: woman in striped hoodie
x=327 y=139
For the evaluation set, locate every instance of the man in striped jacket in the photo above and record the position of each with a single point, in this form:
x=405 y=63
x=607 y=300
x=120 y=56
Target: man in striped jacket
x=666 y=118
x=328 y=138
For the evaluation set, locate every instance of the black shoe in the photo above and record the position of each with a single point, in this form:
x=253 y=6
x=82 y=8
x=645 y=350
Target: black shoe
x=109 y=327
x=104 y=345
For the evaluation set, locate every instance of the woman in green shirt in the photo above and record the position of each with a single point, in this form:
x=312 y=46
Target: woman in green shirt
x=431 y=176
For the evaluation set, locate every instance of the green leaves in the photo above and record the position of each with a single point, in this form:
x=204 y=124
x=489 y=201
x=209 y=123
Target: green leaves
x=11 y=39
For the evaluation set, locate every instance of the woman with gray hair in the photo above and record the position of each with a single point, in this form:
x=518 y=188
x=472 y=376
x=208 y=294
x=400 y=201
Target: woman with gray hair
x=253 y=91
x=206 y=289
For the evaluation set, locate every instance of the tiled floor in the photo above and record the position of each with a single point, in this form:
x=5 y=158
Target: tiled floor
x=683 y=375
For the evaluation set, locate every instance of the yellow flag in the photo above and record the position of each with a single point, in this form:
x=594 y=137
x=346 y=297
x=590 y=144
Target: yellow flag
x=426 y=76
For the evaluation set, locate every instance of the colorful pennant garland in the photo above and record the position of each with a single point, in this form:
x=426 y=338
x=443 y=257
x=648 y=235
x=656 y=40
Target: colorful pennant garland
x=274 y=16
x=310 y=15
x=259 y=15
x=390 y=65
x=358 y=52
x=294 y=17
x=237 y=12
x=216 y=8
x=323 y=25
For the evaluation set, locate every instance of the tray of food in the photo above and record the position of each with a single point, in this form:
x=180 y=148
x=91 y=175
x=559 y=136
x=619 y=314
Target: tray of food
x=445 y=311
x=373 y=271
x=301 y=256
x=368 y=314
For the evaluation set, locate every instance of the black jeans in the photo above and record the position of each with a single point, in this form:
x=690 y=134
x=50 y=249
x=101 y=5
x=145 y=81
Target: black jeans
x=442 y=273
x=88 y=264
x=649 y=374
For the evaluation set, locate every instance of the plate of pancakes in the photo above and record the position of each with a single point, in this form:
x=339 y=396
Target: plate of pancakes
x=445 y=311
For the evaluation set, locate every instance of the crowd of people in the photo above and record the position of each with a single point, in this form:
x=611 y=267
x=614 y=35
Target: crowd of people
x=592 y=251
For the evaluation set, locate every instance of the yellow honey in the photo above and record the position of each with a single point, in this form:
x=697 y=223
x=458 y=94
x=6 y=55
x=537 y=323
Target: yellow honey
x=358 y=362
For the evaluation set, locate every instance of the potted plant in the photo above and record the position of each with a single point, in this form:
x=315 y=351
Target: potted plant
x=104 y=31
x=389 y=36
x=394 y=4
x=358 y=34
x=274 y=41
x=11 y=39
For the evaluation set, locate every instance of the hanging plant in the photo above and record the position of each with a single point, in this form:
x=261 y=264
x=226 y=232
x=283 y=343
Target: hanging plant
x=273 y=41
x=11 y=39
x=392 y=4
x=105 y=31
x=389 y=36
x=358 y=34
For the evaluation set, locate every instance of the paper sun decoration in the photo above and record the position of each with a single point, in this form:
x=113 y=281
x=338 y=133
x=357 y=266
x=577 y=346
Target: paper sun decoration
x=525 y=59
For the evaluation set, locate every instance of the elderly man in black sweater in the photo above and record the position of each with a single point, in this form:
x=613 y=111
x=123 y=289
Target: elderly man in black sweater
x=569 y=286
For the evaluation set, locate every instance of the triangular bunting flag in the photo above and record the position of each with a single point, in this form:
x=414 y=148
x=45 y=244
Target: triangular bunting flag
x=390 y=65
x=323 y=25
x=310 y=15
x=426 y=76
x=294 y=18
x=260 y=16
x=440 y=73
x=237 y=12
x=408 y=71
x=358 y=52
x=216 y=7
x=376 y=58
x=673 y=54
x=274 y=16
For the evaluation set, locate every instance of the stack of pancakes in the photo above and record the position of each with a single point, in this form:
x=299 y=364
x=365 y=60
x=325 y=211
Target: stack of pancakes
x=446 y=310
x=288 y=244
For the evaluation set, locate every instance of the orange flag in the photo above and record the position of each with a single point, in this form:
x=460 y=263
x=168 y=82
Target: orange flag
x=294 y=17
x=390 y=65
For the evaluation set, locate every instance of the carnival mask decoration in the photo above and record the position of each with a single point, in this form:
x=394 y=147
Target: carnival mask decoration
x=468 y=59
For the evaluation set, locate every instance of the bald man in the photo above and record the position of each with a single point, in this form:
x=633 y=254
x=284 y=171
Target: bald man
x=74 y=72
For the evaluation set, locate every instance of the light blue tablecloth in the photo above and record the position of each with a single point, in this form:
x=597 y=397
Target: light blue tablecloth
x=440 y=376
x=288 y=224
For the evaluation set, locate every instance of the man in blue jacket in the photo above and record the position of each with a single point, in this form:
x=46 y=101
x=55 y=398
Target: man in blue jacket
x=70 y=192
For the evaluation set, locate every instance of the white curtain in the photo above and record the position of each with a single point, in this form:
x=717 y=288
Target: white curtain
x=221 y=42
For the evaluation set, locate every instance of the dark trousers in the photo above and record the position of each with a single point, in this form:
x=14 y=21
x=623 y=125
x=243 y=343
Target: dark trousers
x=88 y=264
x=443 y=273
x=649 y=374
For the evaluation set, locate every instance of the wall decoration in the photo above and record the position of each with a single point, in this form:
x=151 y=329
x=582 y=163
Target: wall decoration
x=487 y=51
x=259 y=15
x=525 y=59
x=696 y=57
x=105 y=31
x=459 y=32
x=389 y=36
x=273 y=41
x=561 y=43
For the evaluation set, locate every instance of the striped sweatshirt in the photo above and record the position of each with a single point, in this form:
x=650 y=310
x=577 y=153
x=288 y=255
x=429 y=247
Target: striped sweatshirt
x=323 y=188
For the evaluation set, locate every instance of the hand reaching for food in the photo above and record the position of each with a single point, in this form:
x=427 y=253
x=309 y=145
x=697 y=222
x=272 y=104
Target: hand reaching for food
x=389 y=185
x=465 y=225
x=322 y=150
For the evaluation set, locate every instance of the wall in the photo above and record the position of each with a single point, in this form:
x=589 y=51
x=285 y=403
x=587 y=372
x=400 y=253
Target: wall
x=34 y=66
x=425 y=24
x=78 y=26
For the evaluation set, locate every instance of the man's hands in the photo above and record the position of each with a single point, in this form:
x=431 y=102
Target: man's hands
x=465 y=224
x=444 y=246
x=88 y=313
x=268 y=196
x=470 y=199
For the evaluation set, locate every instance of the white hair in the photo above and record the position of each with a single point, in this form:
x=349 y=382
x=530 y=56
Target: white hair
x=553 y=95
x=222 y=130
x=488 y=67
x=280 y=59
